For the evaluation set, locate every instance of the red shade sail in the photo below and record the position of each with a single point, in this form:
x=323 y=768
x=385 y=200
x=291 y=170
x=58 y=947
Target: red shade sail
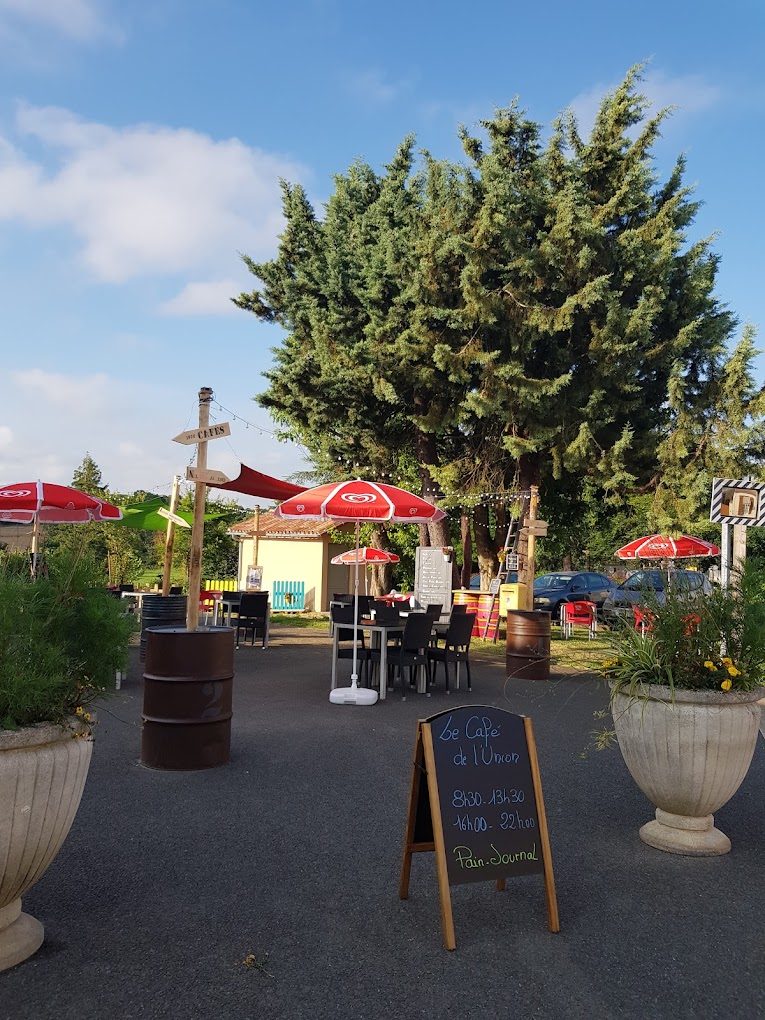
x=254 y=483
x=656 y=547
x=365 y=555
x=47 y=503
x=359 y=501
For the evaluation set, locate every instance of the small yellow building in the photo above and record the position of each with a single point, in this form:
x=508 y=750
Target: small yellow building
x=294 y=556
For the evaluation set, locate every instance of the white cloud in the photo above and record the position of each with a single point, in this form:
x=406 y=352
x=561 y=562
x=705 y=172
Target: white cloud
x=372 y=87
x=210 y=297
x=144 y=199
x=126 y=425
x=690 y=93
x=81 y=20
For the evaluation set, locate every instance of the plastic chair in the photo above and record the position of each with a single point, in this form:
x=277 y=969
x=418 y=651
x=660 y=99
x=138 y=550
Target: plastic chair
x=253 y=615
x=412 y=653
x=578 y=614
x=456 y=648
x=207 y=600
x=643 y=620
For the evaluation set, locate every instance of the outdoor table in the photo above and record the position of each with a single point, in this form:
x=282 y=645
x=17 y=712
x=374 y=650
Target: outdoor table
x=139 y=596
x=383 y=632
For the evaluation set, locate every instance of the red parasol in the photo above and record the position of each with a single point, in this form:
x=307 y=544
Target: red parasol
x=48 y=503
x=358 y=501
x=656 y=547
x=365 y=555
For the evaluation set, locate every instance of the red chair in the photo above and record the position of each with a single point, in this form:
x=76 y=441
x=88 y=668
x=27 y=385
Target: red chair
x=643 y=620
x=208 y=600
x=578 y=614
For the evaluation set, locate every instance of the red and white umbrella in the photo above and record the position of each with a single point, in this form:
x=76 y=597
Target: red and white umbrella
x=366 y=554
x=48 y=503
x=656 y=547
x=358 y=501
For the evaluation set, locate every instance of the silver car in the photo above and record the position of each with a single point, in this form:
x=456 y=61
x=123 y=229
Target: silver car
x=634 y=590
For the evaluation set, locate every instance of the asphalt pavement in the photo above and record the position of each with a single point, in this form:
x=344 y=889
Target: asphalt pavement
x=268 y=888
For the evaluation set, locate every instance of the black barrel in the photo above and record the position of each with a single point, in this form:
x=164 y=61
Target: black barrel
x=187 y=698
x=528 y=645
x=161 y=611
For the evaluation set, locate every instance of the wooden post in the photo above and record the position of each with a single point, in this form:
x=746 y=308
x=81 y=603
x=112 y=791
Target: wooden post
x=198 y=527
x=531 y=549
x=170 y=536
x=257 y=530
x=725 y=556
x=739 y=548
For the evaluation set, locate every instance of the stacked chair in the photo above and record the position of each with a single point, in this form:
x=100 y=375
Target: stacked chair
x=456 y=648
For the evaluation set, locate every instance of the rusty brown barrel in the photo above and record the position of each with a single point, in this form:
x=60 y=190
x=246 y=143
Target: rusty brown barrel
x=161 y=611
x=528 y=645
x=187 y=691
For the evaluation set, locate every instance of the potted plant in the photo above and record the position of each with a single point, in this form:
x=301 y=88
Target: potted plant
x=684 y=691
x=62 y=639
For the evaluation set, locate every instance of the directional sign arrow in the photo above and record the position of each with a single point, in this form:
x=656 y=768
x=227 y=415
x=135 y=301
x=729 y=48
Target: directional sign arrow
x=203 y=435
x=194 y=474
x=173 y=517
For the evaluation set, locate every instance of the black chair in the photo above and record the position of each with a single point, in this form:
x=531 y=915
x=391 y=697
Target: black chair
x=456 y=648
x=413 y=650
x=253 y=615
x=175 y=589
x=127 y=587
x=344 y=615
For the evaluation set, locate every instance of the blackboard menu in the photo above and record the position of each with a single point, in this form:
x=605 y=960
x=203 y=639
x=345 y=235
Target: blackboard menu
x=432 y=577
x=486 y=794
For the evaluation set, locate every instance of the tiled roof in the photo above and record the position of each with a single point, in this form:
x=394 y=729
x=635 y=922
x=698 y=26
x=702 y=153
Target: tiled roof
x=275 y=527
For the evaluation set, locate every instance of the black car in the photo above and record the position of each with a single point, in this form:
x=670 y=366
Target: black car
x=552 y=590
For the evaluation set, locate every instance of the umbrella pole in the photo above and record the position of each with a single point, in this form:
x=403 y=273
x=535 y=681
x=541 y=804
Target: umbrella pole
x=35 y=544
x=354 y=674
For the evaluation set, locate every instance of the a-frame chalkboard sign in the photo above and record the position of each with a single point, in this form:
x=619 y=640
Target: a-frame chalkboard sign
x=476 y=800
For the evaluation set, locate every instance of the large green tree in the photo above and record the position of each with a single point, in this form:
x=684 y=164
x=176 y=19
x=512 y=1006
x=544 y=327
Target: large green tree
x=530 y=318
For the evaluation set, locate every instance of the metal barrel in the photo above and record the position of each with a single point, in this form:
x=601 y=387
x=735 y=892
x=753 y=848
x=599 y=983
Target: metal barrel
x=161 y=611
x=528 y=645
x=187 y=692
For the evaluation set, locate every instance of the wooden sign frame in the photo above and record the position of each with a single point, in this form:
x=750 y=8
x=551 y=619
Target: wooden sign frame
x=424 y=824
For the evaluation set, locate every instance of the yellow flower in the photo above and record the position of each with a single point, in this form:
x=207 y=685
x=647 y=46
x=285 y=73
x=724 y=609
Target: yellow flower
x=732 y=671
x=86 y=716
x=79 y=711
x=726 y=685
x=710 y=665
x=726 y=661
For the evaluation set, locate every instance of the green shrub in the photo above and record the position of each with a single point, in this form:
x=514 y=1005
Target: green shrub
x=62 y=639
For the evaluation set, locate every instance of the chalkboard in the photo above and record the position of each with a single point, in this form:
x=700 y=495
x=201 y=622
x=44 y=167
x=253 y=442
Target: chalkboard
x=432 y=577
x=476 y=800
x=494 y=585
x=486 y=795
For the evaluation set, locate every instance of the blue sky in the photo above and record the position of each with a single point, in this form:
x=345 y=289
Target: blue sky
x=141 y=146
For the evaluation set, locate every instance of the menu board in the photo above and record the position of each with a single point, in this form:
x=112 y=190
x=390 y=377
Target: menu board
x=432 y=577
x=486 y=795
x=476 y=800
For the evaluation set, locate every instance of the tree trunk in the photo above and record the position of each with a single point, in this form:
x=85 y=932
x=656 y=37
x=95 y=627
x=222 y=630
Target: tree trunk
x=486 y=547
x=382 y=575
x=439 y=532
x=467 y=551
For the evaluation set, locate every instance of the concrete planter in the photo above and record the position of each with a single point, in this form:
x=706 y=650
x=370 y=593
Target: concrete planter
x=42 y=775
x=688 y=753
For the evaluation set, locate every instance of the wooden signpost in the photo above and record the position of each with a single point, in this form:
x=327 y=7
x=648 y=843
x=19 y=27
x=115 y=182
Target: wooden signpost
x=173 y=518
x=205 y=432
x=475 y=799
x=195 y=474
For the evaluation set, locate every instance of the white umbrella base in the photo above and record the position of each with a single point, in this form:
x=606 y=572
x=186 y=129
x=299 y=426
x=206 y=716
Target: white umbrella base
x=352 y=696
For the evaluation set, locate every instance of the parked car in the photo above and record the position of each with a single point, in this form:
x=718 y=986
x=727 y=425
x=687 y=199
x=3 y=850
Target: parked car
x=552 y=590
x=650 y=584
x=475 y=580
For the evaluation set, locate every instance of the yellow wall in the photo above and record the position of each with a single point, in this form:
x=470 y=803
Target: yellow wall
x=284 y=559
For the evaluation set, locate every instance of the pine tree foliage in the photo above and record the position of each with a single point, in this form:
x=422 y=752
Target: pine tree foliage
x=538 y=315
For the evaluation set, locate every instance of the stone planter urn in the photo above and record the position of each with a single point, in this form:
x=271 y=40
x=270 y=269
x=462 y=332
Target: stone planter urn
x=688 y=751
x=42 y=775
